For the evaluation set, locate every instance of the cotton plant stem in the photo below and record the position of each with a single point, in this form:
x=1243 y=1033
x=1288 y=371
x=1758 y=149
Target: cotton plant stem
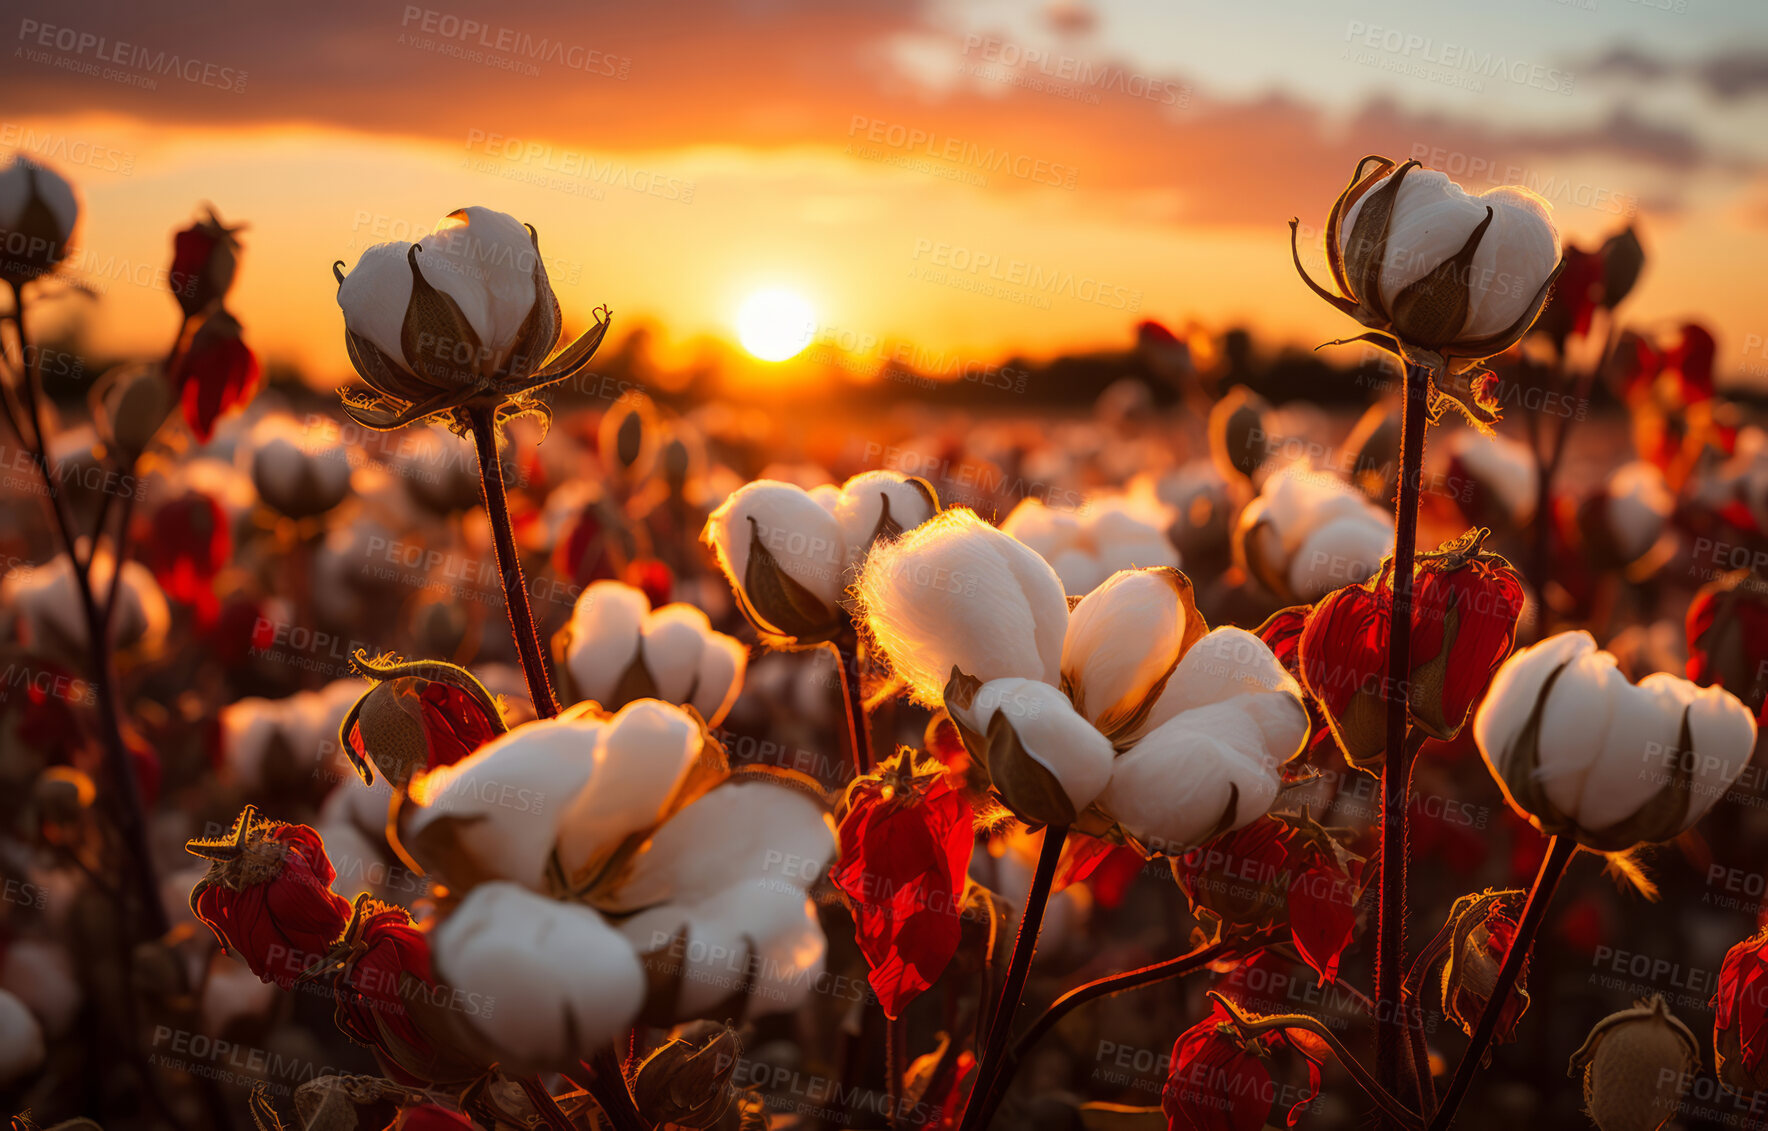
x=544 y=1105
x=1031 y=920
x=1559 y=854
x=131 y=819
x=509 y=562
x=606 y=1085
x=1548 y=459
x=1177 y=967
x=859 y=745
x=859 y=729
x=1413 y=987
x=121 y=538
x=1392 y=1043
x=1250 y=1026
x=896 y=1065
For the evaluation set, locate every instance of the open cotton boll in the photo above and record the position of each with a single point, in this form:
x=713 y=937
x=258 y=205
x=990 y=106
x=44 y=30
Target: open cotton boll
x=232 y=993
x=21 y=1041
x=41 y=974
x=1502 y=465
x=1433 y=217
x=736 y=916
x=720 y=677
x=956 y=592
x=1045 y=529
x=1048 y=729
x=1340 y=552
x=680 y=658
x=767 y=522
x=557 y=982
x=1580 y=750
x=605 y=634
x=1205 y=772
x=640 y=759
x=1123 y=638
x=1640 y=504
x=301 y=470
x=674 y=640
x=865 y=500
x=1227 y=662
x=505 y=803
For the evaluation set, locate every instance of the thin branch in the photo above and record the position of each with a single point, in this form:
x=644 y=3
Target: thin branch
x=1252 y=1027
x=1560 y=850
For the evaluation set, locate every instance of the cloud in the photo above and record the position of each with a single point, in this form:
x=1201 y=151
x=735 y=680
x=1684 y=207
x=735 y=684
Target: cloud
x=776 y=74
x=1736 y=74
x=1729 y=74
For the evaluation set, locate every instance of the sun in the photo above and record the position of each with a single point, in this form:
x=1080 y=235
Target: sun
x=775 y=324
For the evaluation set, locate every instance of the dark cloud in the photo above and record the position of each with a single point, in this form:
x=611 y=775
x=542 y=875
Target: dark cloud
x=759 y=73
x=1729 y=74
x=1625 y=62
x=1736 y=74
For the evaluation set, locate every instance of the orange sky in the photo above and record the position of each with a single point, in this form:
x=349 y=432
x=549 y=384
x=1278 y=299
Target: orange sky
x=913 y=171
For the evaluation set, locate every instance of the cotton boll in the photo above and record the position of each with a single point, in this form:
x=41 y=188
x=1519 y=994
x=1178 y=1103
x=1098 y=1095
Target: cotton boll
x=738 y=916
x=41 y=974
x=558 y=981
x=603 y=638
x=1339 y=553
x=1123 y=639
x=1049 y=730
x=21 y=1041
x=865 y=500
x=1499 y=465
x=720 y=677
x=771 y=522
x=641 y=757
x=956 y=592
x=505 y=804
x=674 y=639
x=1579 y=750
x=1043 y=528
x=299 y=470
x=1640 y=504
x=233 y=994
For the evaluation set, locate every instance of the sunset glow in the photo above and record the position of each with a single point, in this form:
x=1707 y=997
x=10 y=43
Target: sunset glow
x=775 y=324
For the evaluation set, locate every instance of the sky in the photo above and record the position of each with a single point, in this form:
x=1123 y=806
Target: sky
x=970 y=178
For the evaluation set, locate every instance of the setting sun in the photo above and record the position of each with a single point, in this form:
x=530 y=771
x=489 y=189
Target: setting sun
x=775 y=324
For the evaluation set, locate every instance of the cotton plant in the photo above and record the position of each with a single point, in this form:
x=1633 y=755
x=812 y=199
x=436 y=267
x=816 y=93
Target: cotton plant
x=1088 y=545
x=1125 y=717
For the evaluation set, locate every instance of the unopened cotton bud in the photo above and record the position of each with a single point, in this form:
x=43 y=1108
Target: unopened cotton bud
x=1636 y=1065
